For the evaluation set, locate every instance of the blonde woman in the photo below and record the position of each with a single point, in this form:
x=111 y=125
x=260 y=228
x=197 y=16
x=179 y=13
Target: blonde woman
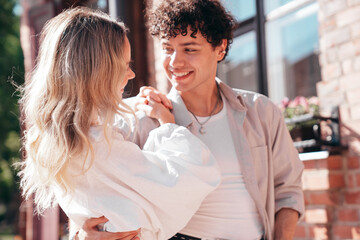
x=75 y=154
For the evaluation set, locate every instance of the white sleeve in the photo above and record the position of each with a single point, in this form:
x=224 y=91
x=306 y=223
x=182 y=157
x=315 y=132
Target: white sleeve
x=157 y=189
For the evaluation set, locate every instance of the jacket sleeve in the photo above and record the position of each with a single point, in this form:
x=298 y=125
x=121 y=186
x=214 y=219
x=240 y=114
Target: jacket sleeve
x=287 y=167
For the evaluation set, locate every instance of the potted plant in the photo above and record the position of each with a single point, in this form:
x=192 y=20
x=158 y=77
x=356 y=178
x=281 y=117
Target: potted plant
x=300 y=117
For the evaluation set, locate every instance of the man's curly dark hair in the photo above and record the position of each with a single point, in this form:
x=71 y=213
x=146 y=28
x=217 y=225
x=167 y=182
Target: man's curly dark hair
x=173 y=17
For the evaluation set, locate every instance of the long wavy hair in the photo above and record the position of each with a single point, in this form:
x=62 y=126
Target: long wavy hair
x=79 y=70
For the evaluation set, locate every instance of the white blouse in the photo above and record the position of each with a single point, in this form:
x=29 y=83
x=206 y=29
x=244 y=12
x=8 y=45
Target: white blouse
x=157 y=189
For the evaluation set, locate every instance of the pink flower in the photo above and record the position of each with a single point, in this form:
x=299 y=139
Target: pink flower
x=313 y=101
x=284 y=104
x=302 y=101
x=293 y=103
x=298 y=106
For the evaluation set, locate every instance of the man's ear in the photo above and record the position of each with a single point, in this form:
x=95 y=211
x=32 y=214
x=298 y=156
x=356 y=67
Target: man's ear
x=221 y=50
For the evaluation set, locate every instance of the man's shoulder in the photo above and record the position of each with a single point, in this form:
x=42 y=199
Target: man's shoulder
x=253 y=99
x=248 y=99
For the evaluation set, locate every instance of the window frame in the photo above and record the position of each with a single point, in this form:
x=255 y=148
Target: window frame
x=257 y=24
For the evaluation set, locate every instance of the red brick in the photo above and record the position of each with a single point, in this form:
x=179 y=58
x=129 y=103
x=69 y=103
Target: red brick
x=311 y=164
x=350 y=180
x=353 y=162
x=352 y=197
x=322 y=163
x=342 y=231
x=348 y=214
x=306 y=197
x=324 y=197
x=335 y=162
x=336 y=180
x=357 y=179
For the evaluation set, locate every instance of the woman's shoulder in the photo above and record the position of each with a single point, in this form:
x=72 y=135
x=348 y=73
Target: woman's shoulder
x=100 y=133
x=111 y=143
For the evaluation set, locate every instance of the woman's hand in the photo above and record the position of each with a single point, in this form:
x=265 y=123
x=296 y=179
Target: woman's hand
x=158 y=111
x=149 y=93
x=89 y=231
x=155 y=105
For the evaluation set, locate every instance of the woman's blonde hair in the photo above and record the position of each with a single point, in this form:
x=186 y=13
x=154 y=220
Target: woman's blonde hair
x=80 y=68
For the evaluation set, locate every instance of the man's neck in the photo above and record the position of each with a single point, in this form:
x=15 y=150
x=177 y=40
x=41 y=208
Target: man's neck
x=203 y=103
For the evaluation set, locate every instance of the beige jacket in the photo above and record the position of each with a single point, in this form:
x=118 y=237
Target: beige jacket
x=270 y=163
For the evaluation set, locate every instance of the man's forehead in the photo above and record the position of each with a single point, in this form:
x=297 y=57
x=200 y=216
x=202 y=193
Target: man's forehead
x=184 y=40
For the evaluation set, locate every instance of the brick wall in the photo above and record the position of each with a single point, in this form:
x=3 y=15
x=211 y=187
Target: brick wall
x=332 y=198
x=332 y=186
x=339 y=33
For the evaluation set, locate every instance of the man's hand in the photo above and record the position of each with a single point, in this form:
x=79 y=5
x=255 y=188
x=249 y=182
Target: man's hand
x=90 y=231
x=147 y=94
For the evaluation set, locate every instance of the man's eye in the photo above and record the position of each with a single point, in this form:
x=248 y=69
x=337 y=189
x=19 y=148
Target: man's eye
x=190 y=50
x=167 y=50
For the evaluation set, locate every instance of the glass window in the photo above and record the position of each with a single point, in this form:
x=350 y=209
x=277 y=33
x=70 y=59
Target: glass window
x=292 y=54
x=271 y=5
x=240 y=9
x=97 y=4
x=239 y=69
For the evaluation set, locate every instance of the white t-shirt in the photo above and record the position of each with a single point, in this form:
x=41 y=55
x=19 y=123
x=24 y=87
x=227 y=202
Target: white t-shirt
x=228 y=212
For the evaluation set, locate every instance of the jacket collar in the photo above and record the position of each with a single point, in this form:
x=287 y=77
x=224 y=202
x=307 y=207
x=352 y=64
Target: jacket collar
x=183 y=116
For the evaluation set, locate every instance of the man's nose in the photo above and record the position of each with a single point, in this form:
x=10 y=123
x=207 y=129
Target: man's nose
x=177 y=60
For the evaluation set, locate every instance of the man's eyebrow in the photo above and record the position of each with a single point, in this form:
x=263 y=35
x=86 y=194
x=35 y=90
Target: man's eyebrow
x=190 y=43
x=183 y=44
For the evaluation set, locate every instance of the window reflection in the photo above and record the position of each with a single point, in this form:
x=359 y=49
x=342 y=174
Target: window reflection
x=97 y=4
x=239 y=68
x=271 y=5
x=240 y=9
x=292 y=58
